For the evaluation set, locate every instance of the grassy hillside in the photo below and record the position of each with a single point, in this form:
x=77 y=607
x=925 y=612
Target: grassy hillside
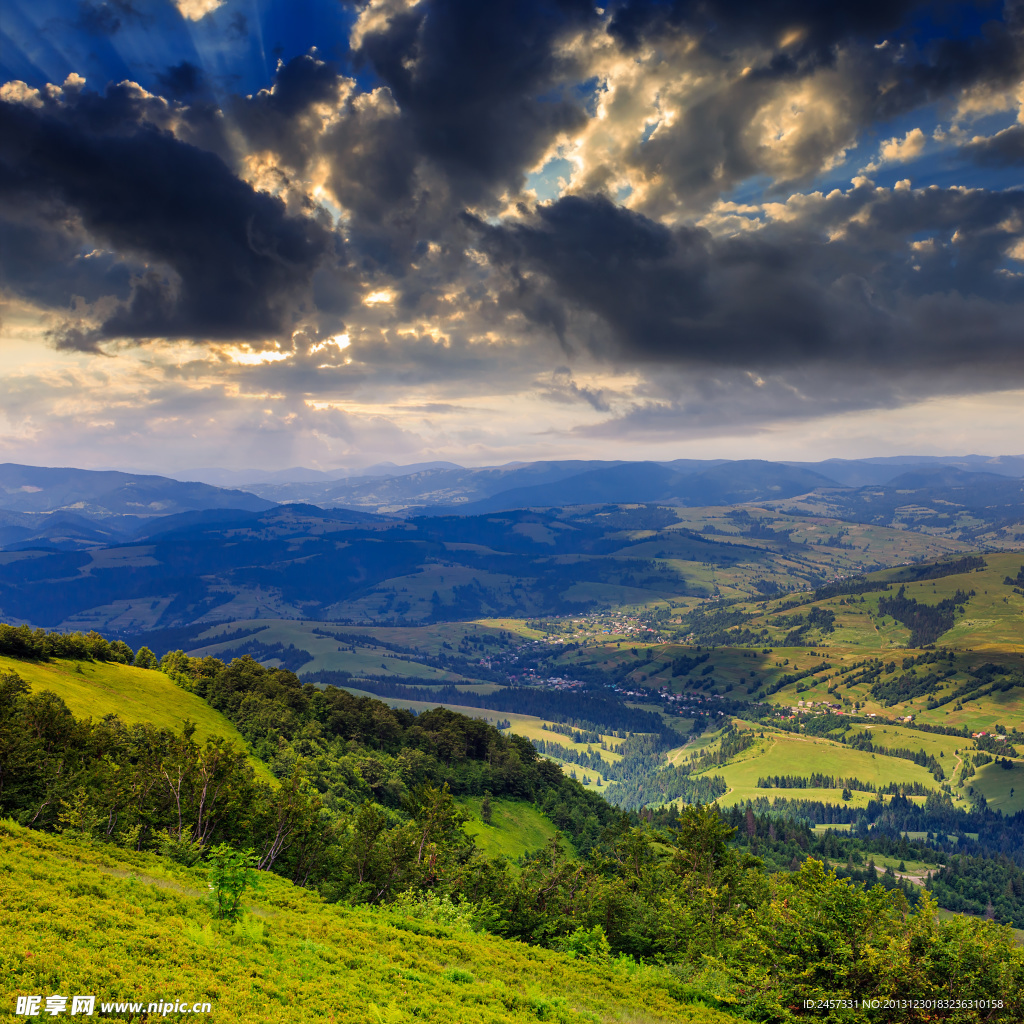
x=326 y=652
x=94 y=689
x=516 y=828
x=789 y=754
x=120 y=926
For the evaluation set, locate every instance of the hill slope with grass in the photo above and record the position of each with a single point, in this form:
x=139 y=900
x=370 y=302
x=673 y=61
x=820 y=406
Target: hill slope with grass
x=374 y=900
x=94 y=689
x=133 y=927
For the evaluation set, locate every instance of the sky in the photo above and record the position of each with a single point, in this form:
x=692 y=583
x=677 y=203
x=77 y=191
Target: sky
x=272 y=233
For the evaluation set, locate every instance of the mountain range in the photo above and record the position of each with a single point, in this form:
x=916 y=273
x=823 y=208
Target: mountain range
x=446 y=488
x=74 y=509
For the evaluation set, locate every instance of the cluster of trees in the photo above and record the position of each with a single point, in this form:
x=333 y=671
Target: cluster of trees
x=995 y=745
x=731 y=743
x=139 y=786
x=686 y=663
x=822 y=619
x=814 y=781
x=43 y=645
x=926 y=622
x=905 y=687
x=590 y=759
x=981 y=683
x=993 y=887
x=669 y=784
x=341 y=738
x=577 y=731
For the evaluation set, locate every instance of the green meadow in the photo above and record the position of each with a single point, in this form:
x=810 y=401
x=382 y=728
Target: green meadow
x=135 y=927
x=516 y=827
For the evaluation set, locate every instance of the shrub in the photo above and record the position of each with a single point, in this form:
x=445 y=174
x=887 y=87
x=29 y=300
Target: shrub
x=231 y=873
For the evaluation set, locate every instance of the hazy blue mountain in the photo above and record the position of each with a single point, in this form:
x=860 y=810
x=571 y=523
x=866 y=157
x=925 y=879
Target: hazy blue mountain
x=723 y=484
x=436 y=486
x=244 y=478
x=62 y=531
x=964 y=504
x=390 y=469
x=590 y=540
x=859 y=472
x=104 y=493
x=444 y=487
x=298 y=561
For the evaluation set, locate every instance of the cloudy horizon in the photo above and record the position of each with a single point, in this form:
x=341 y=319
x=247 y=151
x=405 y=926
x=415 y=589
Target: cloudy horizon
x=247 y=236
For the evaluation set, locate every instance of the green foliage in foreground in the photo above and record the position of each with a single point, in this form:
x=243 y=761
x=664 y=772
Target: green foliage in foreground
x=131 y=926
x=681 y=897
x=232 y=873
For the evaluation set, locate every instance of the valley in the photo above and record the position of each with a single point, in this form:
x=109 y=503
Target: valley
x=550 y=685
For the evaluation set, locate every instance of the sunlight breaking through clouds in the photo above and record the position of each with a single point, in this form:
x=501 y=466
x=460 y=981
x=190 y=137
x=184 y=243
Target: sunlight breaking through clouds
x=597 y=219
x=194 y=10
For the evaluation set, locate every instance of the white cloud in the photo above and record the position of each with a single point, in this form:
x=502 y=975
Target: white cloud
x=195 y=10
x=899 y=151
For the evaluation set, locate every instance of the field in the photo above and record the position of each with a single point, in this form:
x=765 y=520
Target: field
x=788 y=754
x=129 y=926
x=1004 y=790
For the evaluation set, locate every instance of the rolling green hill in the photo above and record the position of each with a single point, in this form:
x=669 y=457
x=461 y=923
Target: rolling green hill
x=134 y=927
x=93 y=689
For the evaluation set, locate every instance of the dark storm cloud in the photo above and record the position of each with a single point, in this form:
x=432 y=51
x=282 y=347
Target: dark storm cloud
x=1004 y=149
x=941 y=43
x=860 y=64
x=728 y=23
x=107 y=17
x=471 y=95
x=183 y=80
x=273 y=119
x=482 y=84
x=224 y=261
x=629 y=289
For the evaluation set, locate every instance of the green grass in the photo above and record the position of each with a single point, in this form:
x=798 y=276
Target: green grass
x=516 y=828
x=995 y=784
x=133 y=694
x=791 y=754
x=130 y=926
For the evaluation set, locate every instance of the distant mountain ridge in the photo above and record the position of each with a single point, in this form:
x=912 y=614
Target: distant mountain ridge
x=108 y=492
x=652 y=482
x=433 y=488
x=71 y=509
